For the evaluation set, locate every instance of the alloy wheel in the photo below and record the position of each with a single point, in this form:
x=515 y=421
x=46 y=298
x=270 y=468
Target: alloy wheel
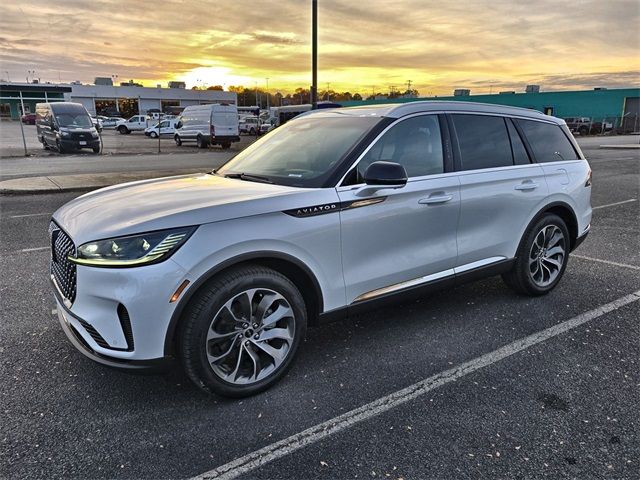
x=547 y=255
x=250 y=336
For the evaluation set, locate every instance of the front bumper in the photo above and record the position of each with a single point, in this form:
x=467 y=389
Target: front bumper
x=75 y=144
x=71 y=327
x=94 y=321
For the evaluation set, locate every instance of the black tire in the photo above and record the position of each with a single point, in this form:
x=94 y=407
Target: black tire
x=96 y=149
x=176 y=138
x=123 y=130
x=520 y=278
x=59 y=147
x=226 y=146
x=583 y=131
x=201 y=142
x=153 y=135
x=252 y=131
x=44 y=143
x=204 y=306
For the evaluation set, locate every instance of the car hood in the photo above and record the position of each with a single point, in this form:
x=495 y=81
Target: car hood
x=179 y=201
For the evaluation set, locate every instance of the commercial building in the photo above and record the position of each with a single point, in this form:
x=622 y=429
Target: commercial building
x=19 y=98
x=105 y=99
x=617 y=106
x=126 y=101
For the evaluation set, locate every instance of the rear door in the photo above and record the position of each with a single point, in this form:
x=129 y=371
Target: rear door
x=500 y=188
x=396 y=238
x=224 y=120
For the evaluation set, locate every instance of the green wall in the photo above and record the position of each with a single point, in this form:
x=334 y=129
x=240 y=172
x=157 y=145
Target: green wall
x=596 y=104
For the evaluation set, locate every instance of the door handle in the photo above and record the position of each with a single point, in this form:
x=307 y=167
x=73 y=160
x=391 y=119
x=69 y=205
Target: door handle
x=433 y=200
x=528 y=185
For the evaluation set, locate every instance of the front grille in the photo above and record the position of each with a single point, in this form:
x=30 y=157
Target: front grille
x=80 y=136
x=63 y=271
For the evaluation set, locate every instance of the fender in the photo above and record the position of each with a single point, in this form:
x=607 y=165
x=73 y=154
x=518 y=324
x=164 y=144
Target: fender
x=572 y=225
x=209 y=274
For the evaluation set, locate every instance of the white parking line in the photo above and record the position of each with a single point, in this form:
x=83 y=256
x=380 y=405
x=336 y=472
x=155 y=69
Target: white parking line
x=608 y=262
x=29 y=215
x=318 y=432
x=615 y=204
x=36 y=249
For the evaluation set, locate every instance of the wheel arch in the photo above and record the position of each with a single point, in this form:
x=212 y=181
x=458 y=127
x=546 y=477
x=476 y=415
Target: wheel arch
x=289 y=266
x=565 y=212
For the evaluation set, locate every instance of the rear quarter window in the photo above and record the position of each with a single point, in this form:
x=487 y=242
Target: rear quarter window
x=548 y=142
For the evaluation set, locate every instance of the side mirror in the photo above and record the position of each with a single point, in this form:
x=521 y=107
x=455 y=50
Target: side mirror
x=388 y=174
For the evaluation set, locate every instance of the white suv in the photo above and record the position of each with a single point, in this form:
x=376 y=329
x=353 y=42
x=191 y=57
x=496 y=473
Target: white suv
x=333 y=213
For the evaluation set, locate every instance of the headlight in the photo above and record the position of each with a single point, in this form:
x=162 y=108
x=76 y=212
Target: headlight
x=94 y=134
x=64 y=134
x=134 y=250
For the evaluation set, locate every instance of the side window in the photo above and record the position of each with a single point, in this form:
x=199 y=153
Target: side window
x=415 y=143
x=548 y=141
x=520 y=155
x=483 y=140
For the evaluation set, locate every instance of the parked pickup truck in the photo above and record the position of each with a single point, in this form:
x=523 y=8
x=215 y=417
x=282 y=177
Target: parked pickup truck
x=585 y=126
x=137 y=123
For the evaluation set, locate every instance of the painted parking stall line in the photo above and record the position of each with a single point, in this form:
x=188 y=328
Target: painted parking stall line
x=277 y=450
x=30 y=215
x=35 y=249
x=606 y=262
x=631 y=200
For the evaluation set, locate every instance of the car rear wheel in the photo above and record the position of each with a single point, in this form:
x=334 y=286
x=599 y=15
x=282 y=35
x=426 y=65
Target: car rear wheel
x=542 y=257
x=240 y=332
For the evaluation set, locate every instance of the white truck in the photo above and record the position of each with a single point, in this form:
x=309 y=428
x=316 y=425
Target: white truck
x=213 y=124
x=166 y=126
x=137 y=123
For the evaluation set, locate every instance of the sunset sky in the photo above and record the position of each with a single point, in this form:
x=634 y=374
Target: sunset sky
x=481 y=45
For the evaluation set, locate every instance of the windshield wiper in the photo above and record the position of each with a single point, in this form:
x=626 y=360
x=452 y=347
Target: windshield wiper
x=248 y=177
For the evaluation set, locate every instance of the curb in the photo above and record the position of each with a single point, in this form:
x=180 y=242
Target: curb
x=80 y=182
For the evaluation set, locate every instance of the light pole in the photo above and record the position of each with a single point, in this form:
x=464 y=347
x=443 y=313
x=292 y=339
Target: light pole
x=314 y=54
x=257 y=104
x=268 y=102
x=114 y=78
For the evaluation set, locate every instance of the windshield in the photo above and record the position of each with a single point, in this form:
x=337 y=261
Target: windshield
x=303 y=152
x=79 y=120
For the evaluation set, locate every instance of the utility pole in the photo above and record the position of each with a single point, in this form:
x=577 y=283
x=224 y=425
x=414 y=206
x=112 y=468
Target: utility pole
x=409 y=86
x=314 y=54
x=268 y=102
x=328 y=88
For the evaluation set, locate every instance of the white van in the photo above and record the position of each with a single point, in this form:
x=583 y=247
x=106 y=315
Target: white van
x=213 y=124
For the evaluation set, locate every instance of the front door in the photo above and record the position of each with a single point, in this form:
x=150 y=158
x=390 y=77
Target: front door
x=398 y=238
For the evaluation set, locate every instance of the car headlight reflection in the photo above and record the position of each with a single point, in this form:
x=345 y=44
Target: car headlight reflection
x=132 y=250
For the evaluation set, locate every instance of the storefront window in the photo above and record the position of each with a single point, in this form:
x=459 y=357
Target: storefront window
x=106 y=107
x=165 y=104
x=128 y=107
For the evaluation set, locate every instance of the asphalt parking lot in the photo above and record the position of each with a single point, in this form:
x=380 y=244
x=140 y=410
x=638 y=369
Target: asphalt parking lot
x=113 y=143
x=476 y=382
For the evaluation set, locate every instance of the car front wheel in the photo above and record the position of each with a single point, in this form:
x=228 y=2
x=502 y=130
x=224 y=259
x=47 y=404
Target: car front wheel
x=240 y=332
x=542 y=257
x=176 y=138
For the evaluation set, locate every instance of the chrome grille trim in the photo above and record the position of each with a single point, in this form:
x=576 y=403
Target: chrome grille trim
x=63 y=272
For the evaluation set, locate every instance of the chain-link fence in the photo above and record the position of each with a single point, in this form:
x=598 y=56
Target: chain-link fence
x=605 y=125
